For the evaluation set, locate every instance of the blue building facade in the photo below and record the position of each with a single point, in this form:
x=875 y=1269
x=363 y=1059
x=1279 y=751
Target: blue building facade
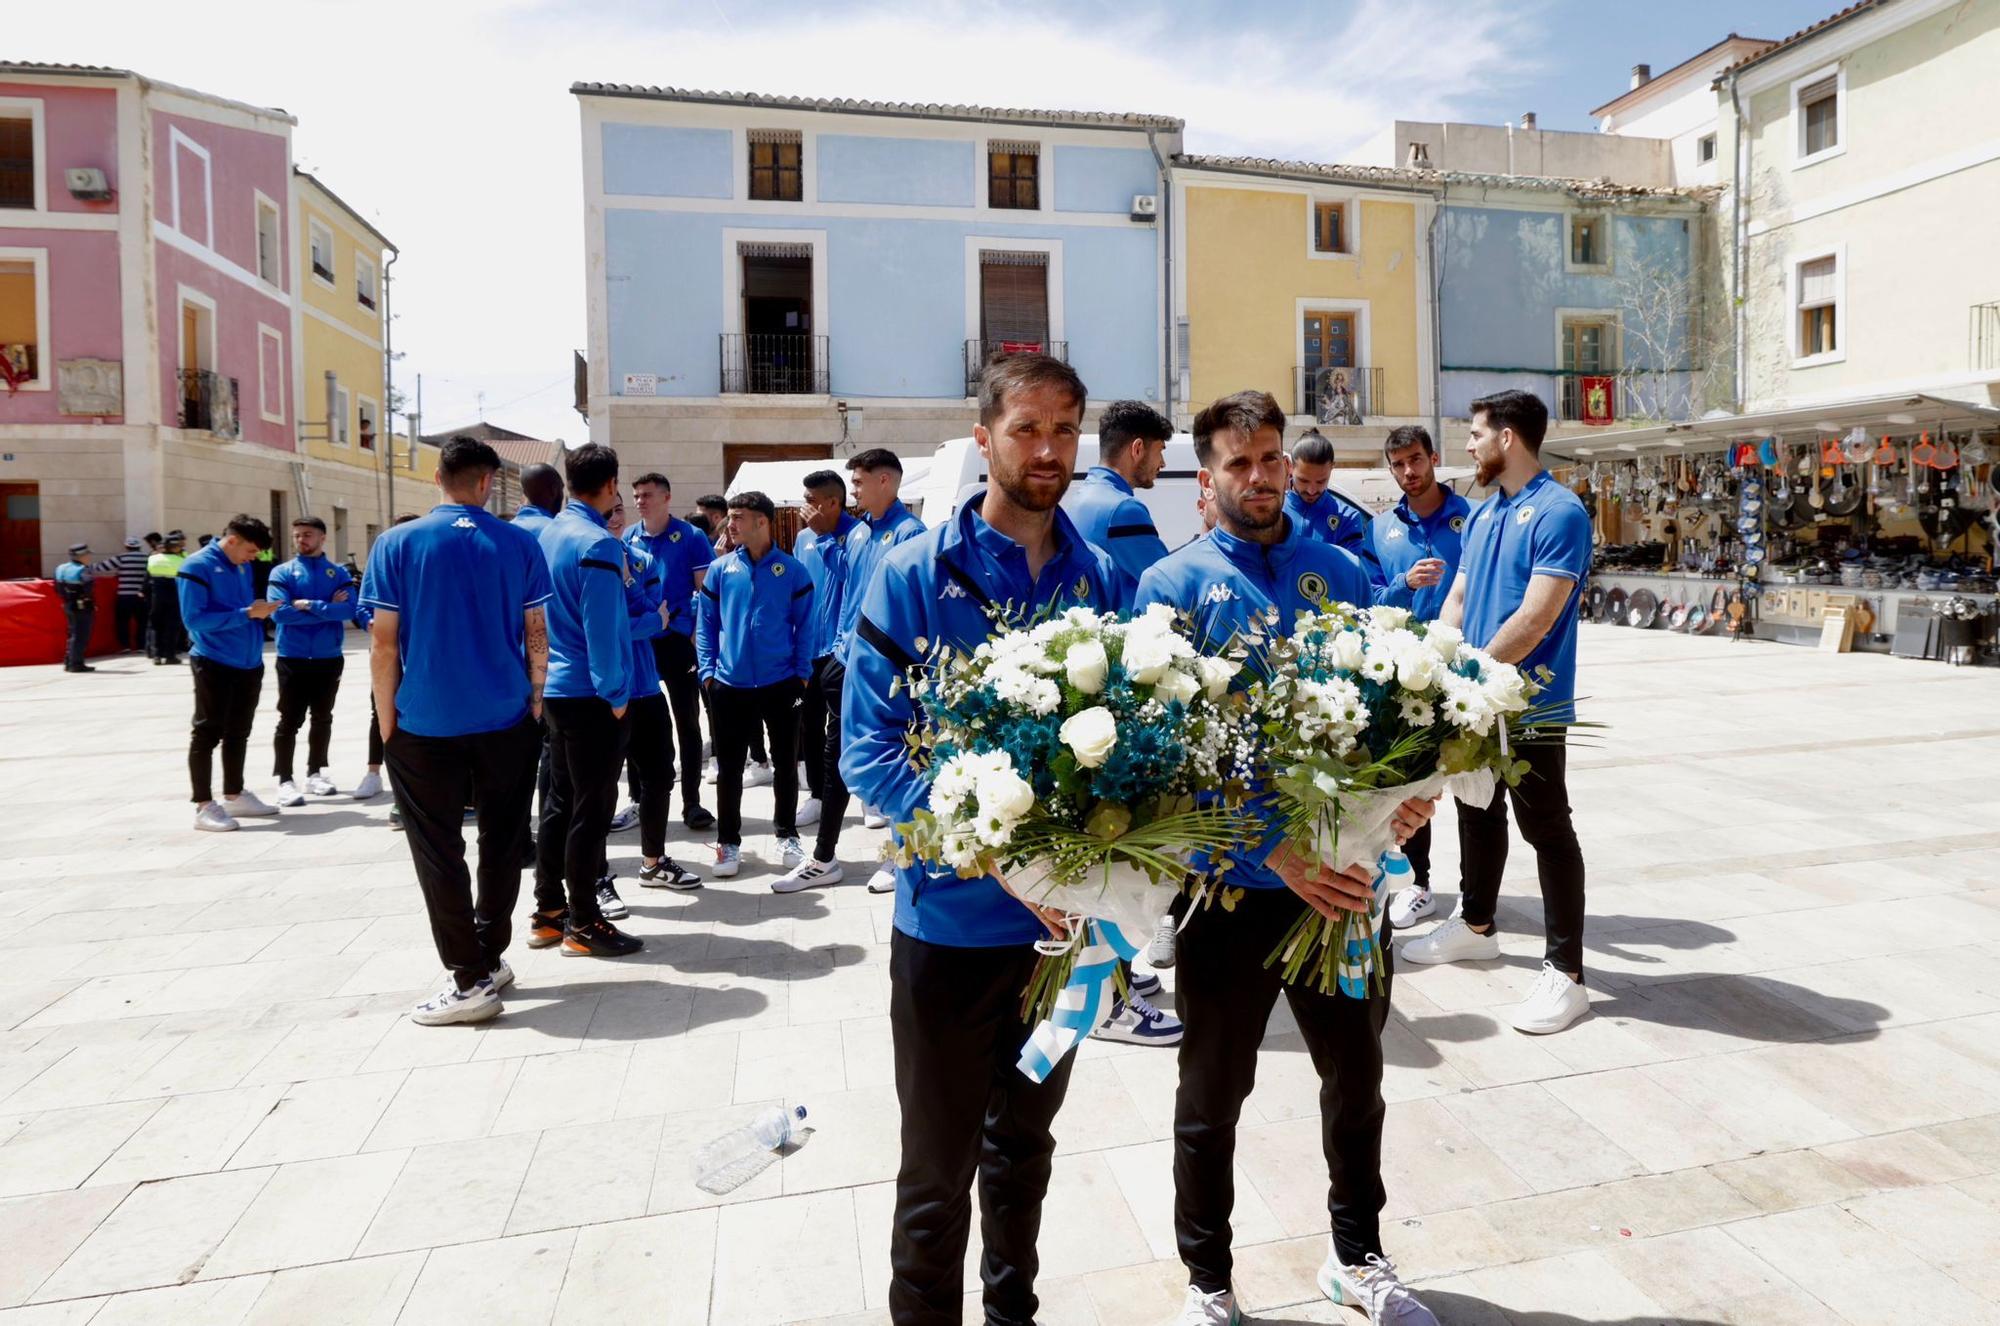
x=756 y=262
x=1540 y=289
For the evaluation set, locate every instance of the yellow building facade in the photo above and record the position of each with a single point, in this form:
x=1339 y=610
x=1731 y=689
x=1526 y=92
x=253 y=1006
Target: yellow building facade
x=344 y=407
x=1310 y=286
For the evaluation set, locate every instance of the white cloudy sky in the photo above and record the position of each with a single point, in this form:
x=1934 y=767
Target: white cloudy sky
x=450 y=125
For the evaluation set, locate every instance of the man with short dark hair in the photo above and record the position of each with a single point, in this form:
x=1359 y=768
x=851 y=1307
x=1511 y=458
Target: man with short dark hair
x=315 y=599
x=1322 y=511
x=76 y=584
x=1527 y=550
x=821 y=548
x=1259 y=565
x=963 y=949
x=166 y=634
x=589 y=687
x=683 y=553
x=876 y=476
x=131 y=605
x=460 y=653
x=753 y=640
x=542 y=485
x=1131 y=451
x=219 y=606
x=1411 y=555
x=714 y=509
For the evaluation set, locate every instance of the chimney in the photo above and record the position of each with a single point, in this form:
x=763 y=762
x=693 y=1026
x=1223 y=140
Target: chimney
x=1528 y=120
x=1642 y=74
x=1420 y=157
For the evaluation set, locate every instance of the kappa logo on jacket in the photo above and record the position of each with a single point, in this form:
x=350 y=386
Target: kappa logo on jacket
x=953 y=590
x=1219 y=593
x=463 y=522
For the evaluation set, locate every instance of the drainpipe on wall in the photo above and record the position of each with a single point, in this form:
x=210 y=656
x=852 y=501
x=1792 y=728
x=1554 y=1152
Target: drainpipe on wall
x=1738 y=364
x=1167 y=270
x=1436 y=296
x=388 y=440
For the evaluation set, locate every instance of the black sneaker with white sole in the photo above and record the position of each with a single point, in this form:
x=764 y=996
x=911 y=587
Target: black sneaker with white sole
x=608 y=901
x=667 y=873
x=600 y=939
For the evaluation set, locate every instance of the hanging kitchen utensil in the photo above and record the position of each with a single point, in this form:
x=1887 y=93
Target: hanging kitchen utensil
x=1829 y=456
x=1594 y=603
x=1975 y=452
x=1864 y=618
x=1816 y=499
x=1677 y=620
x=1615 y=608
x=1925 y=452
x=1885 y=453
x=1739 y=612
x=1947 y=454
x=1767 y=452
x=1645 y=609
x=1855 y=449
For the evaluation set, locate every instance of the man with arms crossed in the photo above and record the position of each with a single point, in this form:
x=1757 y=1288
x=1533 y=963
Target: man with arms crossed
x=1258 y=559
x=1411 y=556
x=315 y=599
x=877 y=478
x=460 y=651
x=963 y=949
x=1527 y=550
x=590 y=684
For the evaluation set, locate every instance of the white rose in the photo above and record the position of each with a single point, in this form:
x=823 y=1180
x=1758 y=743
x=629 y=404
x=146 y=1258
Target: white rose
x=1004 y=795
x=1416 y=669
x=1147 y=654
x=1176 y=685
x=1216 y=674
x=1087 y=665
x=1444 y=640
x=1347 y=651
x=1091 y=734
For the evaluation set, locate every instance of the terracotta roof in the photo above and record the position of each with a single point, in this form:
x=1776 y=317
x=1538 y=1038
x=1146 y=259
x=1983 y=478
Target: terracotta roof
x=1694 y=59
x=1804 y=34
x=106 y=71
x=915 y=110
x=1399 y=177
x=514 y=448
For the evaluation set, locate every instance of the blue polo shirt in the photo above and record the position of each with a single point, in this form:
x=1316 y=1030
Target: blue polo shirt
x=931 y=591
x=315 y=631
x=460 y=581
x=825 y=560
x=753 y=620
x=214 y=595
x=867 y=544
x=682 y=552
x=1541 y=530
x=73 y=573
x=1330 y=518
x=642 y=602
x=590 y=637
x=1399 y=539
x=1222 y=582
x=1113 y=519
x=533 y=519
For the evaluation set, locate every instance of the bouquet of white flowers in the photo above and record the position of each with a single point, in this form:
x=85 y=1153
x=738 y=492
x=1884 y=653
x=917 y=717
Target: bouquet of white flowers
x=1066 y=756
x=1363 y=709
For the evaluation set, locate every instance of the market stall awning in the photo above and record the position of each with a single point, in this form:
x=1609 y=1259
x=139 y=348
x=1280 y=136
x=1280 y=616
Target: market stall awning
x=1903 y=411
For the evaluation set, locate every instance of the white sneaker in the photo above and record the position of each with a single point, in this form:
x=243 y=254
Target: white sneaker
x=1137 y=1022
x=625 y=818
x=1411 y=906
x=1554 y=1003
x=728 y=860
x=790 y=852
x=883 y=880
x=452 y=1004
x=809 y=811
x=872 y=818
x=245 y=805
x=502 y=976
x=369 y=787
x=712 y=772
x=808 y=875
x=1376 y=1289
x=1160 y=953
x=321 y=786
x=759 y=775
x=212 y=818
x=1217 y=1309
x=1454 y=941
x=289 y=794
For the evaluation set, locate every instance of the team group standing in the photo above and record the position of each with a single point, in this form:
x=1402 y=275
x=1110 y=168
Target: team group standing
x=575 y=650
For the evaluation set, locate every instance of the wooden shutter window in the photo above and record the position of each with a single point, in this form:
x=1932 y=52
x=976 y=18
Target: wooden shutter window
x=1013 y=299
x=1013 y=175
x=775 y=174
x=1329 y=228
x=17 y=163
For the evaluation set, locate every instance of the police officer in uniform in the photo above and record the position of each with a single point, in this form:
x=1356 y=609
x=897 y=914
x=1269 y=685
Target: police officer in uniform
x=166 y=637
x=79 y=599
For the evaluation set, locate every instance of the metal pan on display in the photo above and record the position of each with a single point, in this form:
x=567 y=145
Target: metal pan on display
x=1644 y=609
x=1614 y=607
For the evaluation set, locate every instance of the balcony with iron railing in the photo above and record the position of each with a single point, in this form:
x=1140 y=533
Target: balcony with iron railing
x=773 y=363
x=979 y=352
x=208 y=402
x=1338 y=395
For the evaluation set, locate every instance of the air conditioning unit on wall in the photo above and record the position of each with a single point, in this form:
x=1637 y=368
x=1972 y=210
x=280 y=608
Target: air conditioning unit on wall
x=88 y=184
x=1145 y=207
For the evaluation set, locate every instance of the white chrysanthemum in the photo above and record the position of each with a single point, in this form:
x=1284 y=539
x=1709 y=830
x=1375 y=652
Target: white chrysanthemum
x=1465 y=706
x=1016 y=685
x=1378 y=665
x=1416 y=711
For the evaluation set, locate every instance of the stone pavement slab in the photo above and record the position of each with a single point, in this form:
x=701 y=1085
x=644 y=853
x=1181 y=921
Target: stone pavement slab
x=1785 y=1107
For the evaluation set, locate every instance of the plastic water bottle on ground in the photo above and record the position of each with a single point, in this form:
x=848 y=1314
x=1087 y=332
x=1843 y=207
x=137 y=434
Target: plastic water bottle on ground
x=741 y=1154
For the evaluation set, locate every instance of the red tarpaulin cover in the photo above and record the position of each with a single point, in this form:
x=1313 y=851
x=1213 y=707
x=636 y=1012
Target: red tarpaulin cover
x=33 y=626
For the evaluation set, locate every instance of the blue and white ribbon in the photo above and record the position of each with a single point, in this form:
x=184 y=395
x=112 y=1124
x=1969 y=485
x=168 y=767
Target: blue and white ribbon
x=1081 y=1005
x=1357 y=962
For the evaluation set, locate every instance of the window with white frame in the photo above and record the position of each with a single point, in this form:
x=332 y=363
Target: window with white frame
x=364 y=281
x=1589 y=245
x=367 y=414
x=343 y=408
x=322 y=252
x=24 y=318
x=270 y=250
x=270 y=374
x=1704 y=149
x=1818 y=110
x=1817 y=297
x=20 y=164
